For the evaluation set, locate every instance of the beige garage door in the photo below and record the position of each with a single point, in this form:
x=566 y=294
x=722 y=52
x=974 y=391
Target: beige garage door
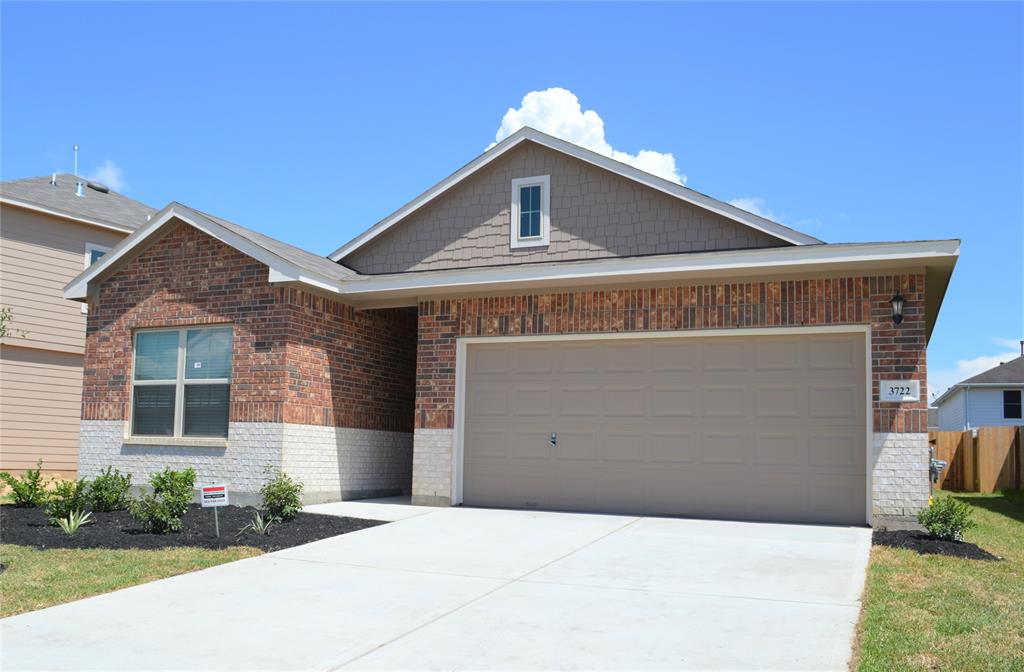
x=755 y=428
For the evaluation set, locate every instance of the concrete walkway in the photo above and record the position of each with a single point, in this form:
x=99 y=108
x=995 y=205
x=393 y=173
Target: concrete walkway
x=482 y=589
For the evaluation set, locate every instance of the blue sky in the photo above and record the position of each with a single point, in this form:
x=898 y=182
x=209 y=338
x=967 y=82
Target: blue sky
x=309 y=122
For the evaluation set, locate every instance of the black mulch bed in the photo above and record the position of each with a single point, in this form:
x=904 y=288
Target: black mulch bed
x=925 y=544
x=117 y=529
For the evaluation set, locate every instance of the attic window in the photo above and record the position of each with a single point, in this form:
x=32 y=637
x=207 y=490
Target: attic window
x=531 y=205
x=1011 y=404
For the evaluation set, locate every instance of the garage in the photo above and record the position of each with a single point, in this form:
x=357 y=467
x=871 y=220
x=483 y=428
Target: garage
x=749 y=427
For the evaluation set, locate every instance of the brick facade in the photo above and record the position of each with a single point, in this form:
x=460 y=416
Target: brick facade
x=317 y=387
x=896 y=351
x=296 y=357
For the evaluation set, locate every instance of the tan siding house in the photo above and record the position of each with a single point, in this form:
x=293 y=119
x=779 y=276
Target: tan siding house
x=48 y=235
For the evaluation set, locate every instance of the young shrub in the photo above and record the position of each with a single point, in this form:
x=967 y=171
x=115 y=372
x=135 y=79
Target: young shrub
x=66 y=497
x=30 y=489
x=282 y=496
x=161 y=511
x=109 y=491
x=73 y=521
x=258 y=525
x=947 y=518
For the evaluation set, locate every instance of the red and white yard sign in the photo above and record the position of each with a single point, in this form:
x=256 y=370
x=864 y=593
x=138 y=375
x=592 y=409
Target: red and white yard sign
x=215 y=494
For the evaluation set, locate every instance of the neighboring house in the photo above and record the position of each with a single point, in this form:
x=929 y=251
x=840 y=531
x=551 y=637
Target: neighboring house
x=545 y=328
x=989 y=399
x=48 y=234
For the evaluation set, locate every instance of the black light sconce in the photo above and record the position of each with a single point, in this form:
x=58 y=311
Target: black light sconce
x=897 y=308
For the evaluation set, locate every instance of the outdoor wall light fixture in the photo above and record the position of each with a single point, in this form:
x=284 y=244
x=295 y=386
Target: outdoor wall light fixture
x=897 y=308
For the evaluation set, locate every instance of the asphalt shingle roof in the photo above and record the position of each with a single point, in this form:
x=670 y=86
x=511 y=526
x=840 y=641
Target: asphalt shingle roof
x=296 y=255
x=106 y=208
x=1011 y=372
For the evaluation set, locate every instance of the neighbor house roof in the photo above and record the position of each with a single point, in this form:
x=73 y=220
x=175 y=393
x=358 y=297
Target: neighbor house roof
x=1009 y=373
x=109 y=209
x=287 y=263
x=525 y=134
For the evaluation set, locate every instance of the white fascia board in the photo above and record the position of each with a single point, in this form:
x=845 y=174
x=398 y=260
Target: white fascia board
x=526 y=133
x=763 y=260
x=64 y=215
x=280 y=269
x=965 y=386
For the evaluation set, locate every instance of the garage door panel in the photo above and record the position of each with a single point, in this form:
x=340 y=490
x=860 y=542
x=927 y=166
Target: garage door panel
x=786 y=450
x=724 y=355
x=625 y=401
x=777 y=355
x=673 y=446
x=724 y=401
x=531 y=401
x=763 y=428
x=579 y=401
x=779 y=401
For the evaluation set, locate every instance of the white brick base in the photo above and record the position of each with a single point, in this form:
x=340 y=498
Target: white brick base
x=333 y=463
x=432 y=467
x=899 y=474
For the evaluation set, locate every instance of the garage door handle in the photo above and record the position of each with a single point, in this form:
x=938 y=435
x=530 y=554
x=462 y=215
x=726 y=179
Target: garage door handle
x=554 y=438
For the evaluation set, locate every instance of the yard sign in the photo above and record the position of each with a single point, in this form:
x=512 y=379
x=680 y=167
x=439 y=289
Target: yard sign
x=215 y=495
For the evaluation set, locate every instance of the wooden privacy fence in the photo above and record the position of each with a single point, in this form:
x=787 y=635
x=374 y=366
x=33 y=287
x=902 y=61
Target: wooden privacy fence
x=982 y=460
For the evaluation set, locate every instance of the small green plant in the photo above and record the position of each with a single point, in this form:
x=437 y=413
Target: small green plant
x=947 y=518
x=258 y=525
x=30 y=489
x=282 y=496
x=74 y=520
x=65 y=498
x=6 y=330
x=109 y=491
x=161 y=511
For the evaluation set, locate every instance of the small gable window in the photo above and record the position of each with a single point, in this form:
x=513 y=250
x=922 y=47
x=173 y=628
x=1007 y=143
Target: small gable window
x=1011 y=404
x=531 y=199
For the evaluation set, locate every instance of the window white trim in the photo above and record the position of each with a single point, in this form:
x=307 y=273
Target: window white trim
x=179 y=382
x=544 y=182
x=89 y=249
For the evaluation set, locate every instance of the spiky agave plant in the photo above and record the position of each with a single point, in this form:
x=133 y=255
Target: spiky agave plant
x=258 y=525
x=74 y=520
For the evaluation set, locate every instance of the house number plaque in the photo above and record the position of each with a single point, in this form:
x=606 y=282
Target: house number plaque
x=899 y=390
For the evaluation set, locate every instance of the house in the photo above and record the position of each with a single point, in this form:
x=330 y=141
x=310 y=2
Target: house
x=544 y=328
x=989 y=399
x=48 y=234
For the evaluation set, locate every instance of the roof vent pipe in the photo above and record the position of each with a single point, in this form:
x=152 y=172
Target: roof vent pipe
x=78 y=183
x=53 y=180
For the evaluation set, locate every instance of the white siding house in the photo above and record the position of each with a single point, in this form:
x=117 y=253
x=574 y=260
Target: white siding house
x=990 y=399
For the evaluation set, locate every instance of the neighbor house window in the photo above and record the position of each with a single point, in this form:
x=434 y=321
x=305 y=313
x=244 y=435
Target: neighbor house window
x=531 y=199
x=181 y=382
x=93 y=252
x=1011 y=404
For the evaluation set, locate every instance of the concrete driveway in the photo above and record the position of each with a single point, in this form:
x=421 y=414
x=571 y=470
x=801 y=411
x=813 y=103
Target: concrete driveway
x=483 y=589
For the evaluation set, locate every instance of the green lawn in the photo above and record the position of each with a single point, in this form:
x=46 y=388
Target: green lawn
x=35 y=579
x=937 y=613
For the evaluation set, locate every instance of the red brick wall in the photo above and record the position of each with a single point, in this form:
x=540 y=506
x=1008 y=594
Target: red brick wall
x=896 y=352
x=296 y=357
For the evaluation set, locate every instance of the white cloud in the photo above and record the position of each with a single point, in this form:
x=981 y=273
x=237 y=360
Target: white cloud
x=941 y=379
x=110 y=174
x=755 y=205
x=557 y=112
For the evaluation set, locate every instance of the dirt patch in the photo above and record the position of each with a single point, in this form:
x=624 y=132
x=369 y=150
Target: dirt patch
x=117 y=529
x=924 y=544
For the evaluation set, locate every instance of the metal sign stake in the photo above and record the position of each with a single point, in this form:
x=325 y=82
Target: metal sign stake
x=216 y=521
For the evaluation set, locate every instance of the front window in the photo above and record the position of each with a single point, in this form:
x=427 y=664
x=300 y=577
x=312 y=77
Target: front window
x=1011 y=404
x=181 y=382
x=530 y=210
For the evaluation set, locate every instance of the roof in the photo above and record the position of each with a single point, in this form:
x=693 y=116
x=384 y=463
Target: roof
x=109 y=210
x=527 y=134
x=287 y=263
x=1007 y=373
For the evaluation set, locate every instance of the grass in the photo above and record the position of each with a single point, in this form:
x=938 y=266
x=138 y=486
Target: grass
x=35 y=579
x=938 y=613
